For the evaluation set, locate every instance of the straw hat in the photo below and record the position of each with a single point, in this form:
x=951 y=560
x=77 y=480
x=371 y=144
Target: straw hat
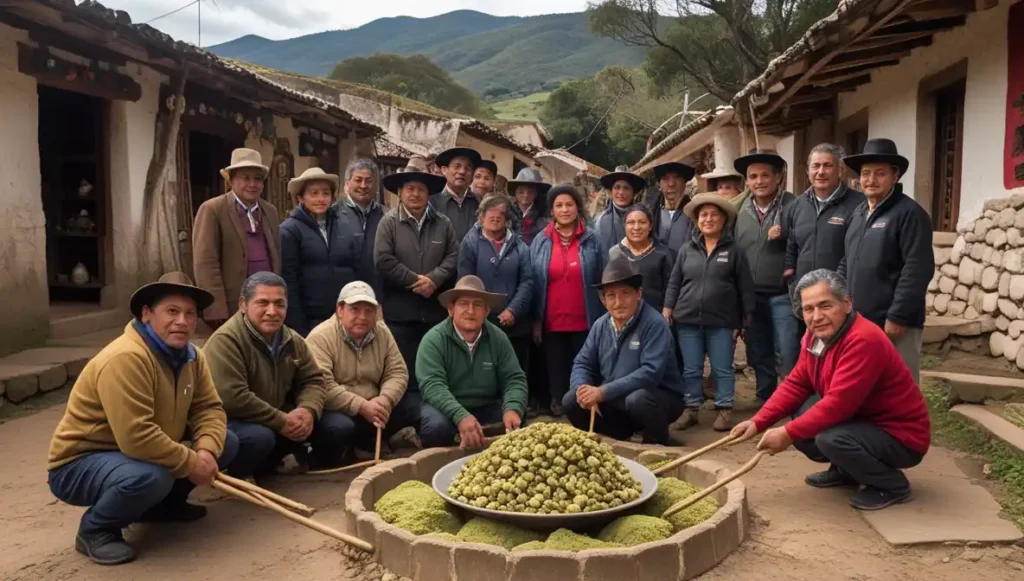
x=169 y=284
x=691 y=208
x=313 y=174
x=244 y=157
x=725 y=172
x=471 y=285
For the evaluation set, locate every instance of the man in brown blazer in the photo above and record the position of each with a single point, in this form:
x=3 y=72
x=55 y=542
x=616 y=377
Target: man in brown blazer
x=235 y=236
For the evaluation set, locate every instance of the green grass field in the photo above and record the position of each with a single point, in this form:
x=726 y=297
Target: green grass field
x=522 y=109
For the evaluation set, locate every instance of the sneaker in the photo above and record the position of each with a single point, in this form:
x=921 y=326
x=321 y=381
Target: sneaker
x=292 y=464
x=405 y=438
x=689 y=418
x=723 y=423
x=871 y=498
x=104 y=547
x=177 y=512
x=830 y=478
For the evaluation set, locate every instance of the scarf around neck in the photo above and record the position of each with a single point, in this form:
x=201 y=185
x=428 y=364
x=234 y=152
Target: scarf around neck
x=175 y=358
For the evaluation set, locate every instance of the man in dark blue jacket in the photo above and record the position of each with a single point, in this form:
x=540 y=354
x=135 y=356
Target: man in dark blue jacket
x=671 y=226
x=360 y=202
x=889 y=259
x=626 y=367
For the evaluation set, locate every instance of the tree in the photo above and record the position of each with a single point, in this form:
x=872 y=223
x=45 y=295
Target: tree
x=570 y=114
x=415 y=77
x=718 y=44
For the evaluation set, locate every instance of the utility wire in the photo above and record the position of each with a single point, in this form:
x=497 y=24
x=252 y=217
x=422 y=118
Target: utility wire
x=601 y=120
x=175 y=11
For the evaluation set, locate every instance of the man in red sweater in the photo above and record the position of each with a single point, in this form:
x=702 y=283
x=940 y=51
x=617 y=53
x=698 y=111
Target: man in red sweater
x=856 y=404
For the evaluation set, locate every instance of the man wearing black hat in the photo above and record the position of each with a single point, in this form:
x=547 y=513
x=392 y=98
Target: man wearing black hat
x=457 y=200
x=889 y=259
x=773 y=333
x=119 y=448
x=624 y=186
x=671 y=226
x=416 y=254
x=626 y=367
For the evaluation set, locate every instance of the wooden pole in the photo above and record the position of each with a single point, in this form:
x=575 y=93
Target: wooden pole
x=593 y=415
x=307 y=522
x=376 y=449
x=695 y=498
x=366 y=464
x=727 y=440
x=264 y=493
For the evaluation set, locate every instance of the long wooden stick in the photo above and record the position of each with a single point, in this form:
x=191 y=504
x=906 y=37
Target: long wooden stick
x=367 y=463
x=726 y=441
x=695 y=498
x=264 y=493
x=593 y=414
x=376 y=449
x=307 y=522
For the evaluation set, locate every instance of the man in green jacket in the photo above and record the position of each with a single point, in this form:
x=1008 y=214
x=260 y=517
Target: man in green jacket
x=272 y=388
x=468 y=371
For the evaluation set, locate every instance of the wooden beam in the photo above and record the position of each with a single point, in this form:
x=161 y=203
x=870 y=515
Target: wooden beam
x=864 y=77
x=57 y=72
x=906 y=24
x=810 y=97
x=48 y=37
x=861 y=62
x=836 y=51
x=880 y=40
x=938 y=9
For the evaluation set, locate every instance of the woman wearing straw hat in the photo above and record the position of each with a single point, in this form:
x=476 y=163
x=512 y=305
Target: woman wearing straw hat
x=319 y=251
x=624 y=187
x=710 y=298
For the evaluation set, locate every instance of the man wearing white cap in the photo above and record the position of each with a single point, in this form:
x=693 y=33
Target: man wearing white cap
x=235 y=236
x=365 y=373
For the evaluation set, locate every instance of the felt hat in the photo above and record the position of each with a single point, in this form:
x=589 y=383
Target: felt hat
x=471 y=285
x=489 y=166
x=172 y=283
x=878 y=151
x=622 y=173
x=620 y=271
x=244 y=157
x=529 y=177
x=394 y=182
x=680 y=168
x=693 y=206
x=313 y=174
x=357 y=291
x=759 y=156
x=724 y=172
x=445 y=157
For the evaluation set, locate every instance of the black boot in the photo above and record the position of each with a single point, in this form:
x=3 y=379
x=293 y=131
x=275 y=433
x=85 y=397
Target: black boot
x=104 y=547
x=871 y=498
x=830 y=478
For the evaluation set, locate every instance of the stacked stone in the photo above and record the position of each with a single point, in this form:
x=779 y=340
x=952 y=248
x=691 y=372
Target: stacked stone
x=982 y=275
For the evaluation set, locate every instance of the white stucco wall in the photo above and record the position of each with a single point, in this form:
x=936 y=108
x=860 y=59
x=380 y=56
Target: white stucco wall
x=23 y=288
x=786 y=148
x=499 y=155
x=892 y=100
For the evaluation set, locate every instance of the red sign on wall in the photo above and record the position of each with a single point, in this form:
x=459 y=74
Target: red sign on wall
x=1013 y=153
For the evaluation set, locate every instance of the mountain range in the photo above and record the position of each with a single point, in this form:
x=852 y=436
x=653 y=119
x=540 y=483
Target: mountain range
x=495 y=56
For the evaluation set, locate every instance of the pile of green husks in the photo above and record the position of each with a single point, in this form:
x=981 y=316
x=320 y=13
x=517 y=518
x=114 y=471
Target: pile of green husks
x=546 y=469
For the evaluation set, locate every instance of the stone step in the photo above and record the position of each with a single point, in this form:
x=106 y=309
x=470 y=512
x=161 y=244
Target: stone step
x=85 y=323
x=993 y=424
x=938 y=328
x=29 y=372
x=978 y=388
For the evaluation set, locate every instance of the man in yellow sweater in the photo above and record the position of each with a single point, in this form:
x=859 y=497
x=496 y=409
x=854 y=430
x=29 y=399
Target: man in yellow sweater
x=366 y=376
x=119 y=447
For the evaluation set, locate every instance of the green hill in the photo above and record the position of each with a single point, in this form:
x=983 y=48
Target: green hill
x=495 y=56
x=520 y=109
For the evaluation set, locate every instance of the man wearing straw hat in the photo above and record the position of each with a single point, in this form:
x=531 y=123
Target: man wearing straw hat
x=235 y=235
x=119 y=448
x=365 y=374
x=468 y=371
x=457 y=201
x=626 y=367
x=272 y=388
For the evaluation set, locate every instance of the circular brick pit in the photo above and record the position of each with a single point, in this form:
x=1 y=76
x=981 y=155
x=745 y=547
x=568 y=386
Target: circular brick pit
x=684 y=555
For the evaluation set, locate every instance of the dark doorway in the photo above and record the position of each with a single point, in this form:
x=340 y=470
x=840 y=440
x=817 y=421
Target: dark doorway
x=949 y=141
x=74 y=190
x=207 y=154
x=516 y=166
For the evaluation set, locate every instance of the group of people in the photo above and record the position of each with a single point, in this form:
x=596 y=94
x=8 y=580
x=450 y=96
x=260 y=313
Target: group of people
x=424 y=322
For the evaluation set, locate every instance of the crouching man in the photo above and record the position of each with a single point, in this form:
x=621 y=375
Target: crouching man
x=627 y=366
x=857 y=404
x=468 y=371
x=365 y=373
x=119 y=447
x=272 y=388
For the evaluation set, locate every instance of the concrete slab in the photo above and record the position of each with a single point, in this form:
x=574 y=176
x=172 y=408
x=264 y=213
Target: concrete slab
x=946 y=506
x=73 y=358
x=978 y=388
x=996 y=426
x=939 y=328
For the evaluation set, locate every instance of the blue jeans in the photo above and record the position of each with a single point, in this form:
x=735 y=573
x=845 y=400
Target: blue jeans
x=403 y=415
x=260 y=448
x=438 y=430
x=773 y=341
x=718 y=345
x=649 y=411
x=119 y=490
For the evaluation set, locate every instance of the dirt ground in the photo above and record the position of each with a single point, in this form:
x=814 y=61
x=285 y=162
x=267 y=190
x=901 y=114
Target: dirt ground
x=798 y=533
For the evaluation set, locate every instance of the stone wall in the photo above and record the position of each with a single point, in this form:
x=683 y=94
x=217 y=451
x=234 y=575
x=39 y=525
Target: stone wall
x=982 y=276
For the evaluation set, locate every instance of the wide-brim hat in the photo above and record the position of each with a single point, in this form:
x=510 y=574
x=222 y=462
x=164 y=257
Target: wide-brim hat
x=244 y=157
x=471 y=285
x=445 y=157
x=488 y=165
x=531 y=178
x=172 y=283
x=620 y=271
x=693 y=206
x=719 y=173
x=636 y=182
x=394 y=182
x=878 y=151
x=759 y=156
x=686 y=171
x=313 y=174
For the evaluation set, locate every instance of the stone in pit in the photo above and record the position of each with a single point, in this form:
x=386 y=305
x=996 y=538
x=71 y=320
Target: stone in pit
x=989 y=278
x=970 y=313
x=957 y=252
x=989 y=302
x=1013 y=237
x=942 y=255
x=946 y=285
x=1008 y=308
x=1004 y=284
x=1015 y=329
x=970 y=271
x=996 y=238
x=1002 y=323
x=996 y=343
x=981 y=227
x=1013 y=261
x=941 y=303
x=1006 y=218
x=950 y=270
x=960 y=292
x=956 y=308
x=1018 y=220
x=1017 y=287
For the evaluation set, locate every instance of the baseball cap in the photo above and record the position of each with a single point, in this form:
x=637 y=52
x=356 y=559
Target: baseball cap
x=357 y=292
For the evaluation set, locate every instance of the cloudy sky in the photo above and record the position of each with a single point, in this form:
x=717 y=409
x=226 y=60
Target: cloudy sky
x=224 y=20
